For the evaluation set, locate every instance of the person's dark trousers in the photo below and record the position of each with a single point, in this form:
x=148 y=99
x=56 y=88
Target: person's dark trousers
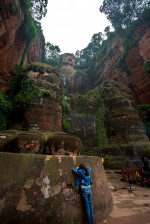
x=87 y=201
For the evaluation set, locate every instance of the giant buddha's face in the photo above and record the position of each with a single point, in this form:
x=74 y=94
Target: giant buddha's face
x=68 y=60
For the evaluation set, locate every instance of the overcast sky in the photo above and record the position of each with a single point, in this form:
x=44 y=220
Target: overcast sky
x=70 y=24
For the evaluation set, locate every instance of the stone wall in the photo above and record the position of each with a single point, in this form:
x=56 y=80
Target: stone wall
x=42 y=189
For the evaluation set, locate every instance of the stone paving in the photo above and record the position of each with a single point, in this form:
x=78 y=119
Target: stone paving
x=129 y=207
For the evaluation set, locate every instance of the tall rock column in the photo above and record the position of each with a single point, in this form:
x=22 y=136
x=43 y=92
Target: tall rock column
x=12 y=43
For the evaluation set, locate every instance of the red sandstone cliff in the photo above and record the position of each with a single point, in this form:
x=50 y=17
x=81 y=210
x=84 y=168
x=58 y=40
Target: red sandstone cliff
x=132 y=72
x=12 y=42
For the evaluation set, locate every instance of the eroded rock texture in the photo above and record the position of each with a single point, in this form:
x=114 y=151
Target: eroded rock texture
x=106 y=117
x=42 y=189
x=131 y=70
x=45 y=112
x=122 y=121
x=37 y=142
x=63 y=144
x=12 y=43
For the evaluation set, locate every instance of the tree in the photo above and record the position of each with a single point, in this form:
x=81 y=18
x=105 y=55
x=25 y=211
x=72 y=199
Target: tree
x=121 y=13
x=84 y=57
x=52 y=54
x=38 y=8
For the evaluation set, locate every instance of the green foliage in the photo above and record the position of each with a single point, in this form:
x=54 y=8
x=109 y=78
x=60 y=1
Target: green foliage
x=29 y=31
x=85 y=56
x=20 y=74
x=65 y=105
x=39 y=8
x=122 y=13
x=147 y=65
x=143 y=107
x=30 y=28
x=25 y=4
x=144 y=110
x=5 y=108
x=24 y=90
x=67 y=126
x=52 y=54
x=66 y=108
x=100 y=120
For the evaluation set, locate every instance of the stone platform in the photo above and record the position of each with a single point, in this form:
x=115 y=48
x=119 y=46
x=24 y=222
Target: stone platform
x=41 y=189
x=128 y=207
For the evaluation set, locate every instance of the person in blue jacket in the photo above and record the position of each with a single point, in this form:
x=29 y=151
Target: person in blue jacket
x=83 y=182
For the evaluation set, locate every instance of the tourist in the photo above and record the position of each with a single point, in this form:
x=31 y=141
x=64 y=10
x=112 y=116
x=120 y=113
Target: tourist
x=83 y=183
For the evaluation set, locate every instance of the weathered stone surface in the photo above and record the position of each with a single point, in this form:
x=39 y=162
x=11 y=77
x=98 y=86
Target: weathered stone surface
x=45 y=112
x=6 y=138
x=35 y=141
x=36 y=51
x=22 y=142
x=118 y=116
x=83 y=119
x=131 y=73
x=122 y=121
x=42 y=189
x=63 y=144
x=12 y=43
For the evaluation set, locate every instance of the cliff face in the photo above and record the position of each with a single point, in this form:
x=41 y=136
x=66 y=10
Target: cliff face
x=125 y=64
x=12 y=42
x=35 y=52
x=45 y=110
x=106 y=116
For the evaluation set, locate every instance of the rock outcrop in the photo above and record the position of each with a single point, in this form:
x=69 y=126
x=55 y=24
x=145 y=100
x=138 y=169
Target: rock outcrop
x=36 y=51
x=37 y=142
x=107 y=119
x=122 y=59
x=12 y=43
x=45 y=111
x=42 y=189
x=63 y=144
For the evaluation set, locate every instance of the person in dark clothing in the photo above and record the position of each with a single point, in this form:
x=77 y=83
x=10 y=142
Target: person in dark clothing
x=83 y=182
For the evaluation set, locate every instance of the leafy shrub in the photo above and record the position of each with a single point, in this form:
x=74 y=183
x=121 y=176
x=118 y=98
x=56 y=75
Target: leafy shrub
x=5 y=108
x=147 y=65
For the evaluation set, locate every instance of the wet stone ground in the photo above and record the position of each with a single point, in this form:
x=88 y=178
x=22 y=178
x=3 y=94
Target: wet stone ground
x=128 y=207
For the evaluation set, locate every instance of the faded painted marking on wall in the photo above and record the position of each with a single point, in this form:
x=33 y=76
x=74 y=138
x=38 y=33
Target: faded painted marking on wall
x=59 y=159
x=60 y=172
x=55 y=190
x=45 y=187
x=2 y=203
x=23 y=205
x=74 y=159
x=48 y=157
